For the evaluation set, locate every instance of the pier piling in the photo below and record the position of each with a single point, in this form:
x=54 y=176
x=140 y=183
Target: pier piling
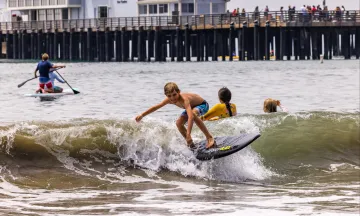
x=207 y=45
x=117 y=45
x=179 y=56
x=124 y=45
x=65 y=46
x=15 y=45
x=224 y=44
x=357 y=43
x=133 y=44
x=345 y=43
x=71 y=45
x=243 y=41
x=55 y=45
x=24 y=47
x=19 y=36
x=326 y=45
x=47 y=42
x=198 y=46
x=141 y=45
x=8 y=46
x=107 y=45
x=277 y=46
x=215 y=45
x=231 y=41
x=172 y=46
x=89 y=52
x=158 y=45
x=256 y=40
x=240 y=46
x=187 y=43
x=150 y=44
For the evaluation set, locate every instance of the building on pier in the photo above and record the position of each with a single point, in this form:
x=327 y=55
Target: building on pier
x=180 y=7
x=4 y=13
x=47 y=10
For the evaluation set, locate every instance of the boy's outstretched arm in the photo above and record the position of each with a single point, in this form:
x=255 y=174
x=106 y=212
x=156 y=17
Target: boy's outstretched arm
x=152 y=109
x=58 y=66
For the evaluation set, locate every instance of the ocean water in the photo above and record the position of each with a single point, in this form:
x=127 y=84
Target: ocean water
x=85 y=154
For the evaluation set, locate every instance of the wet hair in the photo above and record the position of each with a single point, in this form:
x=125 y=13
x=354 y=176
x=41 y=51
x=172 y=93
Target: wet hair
x=225 y=95
x=45 y=57
x=170 y=87
x=270 y=105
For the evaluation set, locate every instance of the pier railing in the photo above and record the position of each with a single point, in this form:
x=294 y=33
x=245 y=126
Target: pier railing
x=274 y=19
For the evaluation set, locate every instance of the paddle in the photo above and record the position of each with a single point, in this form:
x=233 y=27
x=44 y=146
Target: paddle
x=75 y=92
x=21 y=84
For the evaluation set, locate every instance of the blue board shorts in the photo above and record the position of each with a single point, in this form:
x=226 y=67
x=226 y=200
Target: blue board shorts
x=202 y=108
x=44 y=81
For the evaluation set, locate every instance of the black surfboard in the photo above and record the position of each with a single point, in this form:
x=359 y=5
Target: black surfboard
x=224 y=146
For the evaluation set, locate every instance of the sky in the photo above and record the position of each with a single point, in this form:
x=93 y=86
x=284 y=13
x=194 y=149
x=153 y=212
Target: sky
x=276 y=4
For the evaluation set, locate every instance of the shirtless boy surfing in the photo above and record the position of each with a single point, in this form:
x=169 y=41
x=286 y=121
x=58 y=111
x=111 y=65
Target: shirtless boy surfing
x=194 y=106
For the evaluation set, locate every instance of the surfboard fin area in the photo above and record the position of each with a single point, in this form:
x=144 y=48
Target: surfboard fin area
x=224 y=146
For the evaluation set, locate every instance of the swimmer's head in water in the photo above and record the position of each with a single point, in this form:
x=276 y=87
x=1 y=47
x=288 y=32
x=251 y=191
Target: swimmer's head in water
x=270 y=105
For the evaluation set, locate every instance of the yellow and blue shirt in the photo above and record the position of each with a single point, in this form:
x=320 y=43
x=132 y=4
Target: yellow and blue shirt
x=219 y=111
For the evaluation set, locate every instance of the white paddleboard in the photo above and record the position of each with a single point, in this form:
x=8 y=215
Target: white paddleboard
x=52 y=95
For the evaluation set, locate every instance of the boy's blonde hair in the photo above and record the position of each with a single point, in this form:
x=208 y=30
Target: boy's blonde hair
x=270 y=105
x=45 y=56
x=170 y=87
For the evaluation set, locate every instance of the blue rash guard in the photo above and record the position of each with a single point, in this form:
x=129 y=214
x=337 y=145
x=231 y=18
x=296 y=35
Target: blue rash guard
x=44 y=69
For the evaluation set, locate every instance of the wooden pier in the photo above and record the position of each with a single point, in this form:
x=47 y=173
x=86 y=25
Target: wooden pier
x=250 y=36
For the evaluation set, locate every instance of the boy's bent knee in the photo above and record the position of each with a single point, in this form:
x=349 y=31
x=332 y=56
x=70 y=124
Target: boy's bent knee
x=180 y=122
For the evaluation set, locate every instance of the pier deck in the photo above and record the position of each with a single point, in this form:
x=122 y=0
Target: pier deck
x=251 y=36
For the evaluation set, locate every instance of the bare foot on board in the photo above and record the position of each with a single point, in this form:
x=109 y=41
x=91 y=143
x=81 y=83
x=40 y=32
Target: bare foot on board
x=211 y=143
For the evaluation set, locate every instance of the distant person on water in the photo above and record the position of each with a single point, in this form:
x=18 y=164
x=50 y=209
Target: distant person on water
x=194 y=106
x=223 y=109
x=270 y=105
x=44 y=67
